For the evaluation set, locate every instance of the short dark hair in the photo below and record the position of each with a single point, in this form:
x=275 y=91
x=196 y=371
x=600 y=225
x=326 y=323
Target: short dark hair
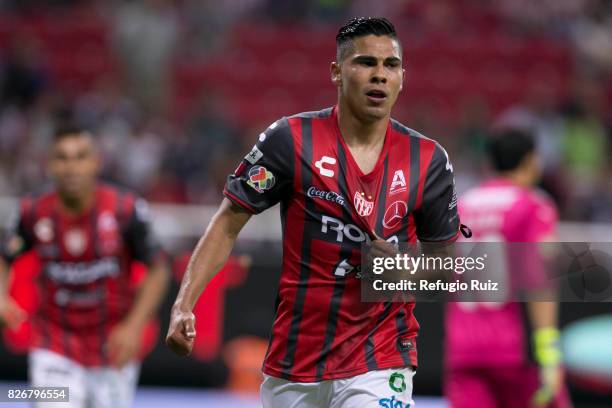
x=64 y=130
x=360 y=27
x=507 y=148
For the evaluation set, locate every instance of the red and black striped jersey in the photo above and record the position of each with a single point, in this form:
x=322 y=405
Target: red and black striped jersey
x=84 y=284
x=329 y=208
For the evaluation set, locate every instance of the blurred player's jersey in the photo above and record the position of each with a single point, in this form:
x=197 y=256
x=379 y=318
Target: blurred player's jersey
x=489 y=334
x=329 y=208
x=86 y=283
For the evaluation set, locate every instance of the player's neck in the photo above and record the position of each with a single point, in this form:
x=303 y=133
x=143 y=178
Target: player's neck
x=359 y=133
x=519 y=178
x=75 y=205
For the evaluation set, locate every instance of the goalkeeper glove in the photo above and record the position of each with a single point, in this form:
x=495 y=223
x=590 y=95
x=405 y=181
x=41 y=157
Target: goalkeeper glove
x=548 y=356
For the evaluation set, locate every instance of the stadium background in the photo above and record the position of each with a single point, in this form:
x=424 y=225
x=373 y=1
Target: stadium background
x=177 y=92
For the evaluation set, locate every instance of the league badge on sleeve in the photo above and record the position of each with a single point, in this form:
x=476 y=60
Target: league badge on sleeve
x=261 y=179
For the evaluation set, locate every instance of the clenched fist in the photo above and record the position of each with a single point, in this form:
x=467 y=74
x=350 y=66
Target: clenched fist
x=181 y=333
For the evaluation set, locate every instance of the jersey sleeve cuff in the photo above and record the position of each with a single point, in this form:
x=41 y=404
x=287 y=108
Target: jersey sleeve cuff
x=240 y=203
x=442 y=241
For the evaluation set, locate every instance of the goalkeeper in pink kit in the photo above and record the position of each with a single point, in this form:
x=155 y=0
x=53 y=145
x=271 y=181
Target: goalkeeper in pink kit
x=488 y=363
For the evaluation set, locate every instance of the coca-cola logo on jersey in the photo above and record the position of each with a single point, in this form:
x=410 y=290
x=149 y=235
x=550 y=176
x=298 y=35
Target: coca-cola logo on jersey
x=362 y=206
x=331 y=196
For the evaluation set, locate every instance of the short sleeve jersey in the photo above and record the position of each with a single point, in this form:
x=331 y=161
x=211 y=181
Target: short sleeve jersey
x=329 y=208
x=85 y=284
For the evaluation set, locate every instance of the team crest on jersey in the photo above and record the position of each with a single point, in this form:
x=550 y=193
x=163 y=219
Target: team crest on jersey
x=362 y=206
x=398 y=184
x=44 y=229
x=261 y=179
x=75 y=241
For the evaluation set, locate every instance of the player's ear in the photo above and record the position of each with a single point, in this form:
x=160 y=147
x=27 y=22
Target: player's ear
x=336 y=74
x=403 y=77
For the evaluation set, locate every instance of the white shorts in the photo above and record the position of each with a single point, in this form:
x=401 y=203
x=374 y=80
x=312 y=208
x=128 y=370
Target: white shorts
x=91 y=387
x=381 y=388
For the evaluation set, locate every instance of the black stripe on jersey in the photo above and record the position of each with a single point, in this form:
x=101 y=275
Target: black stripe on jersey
x=402 y=329
x=415 y=171
x=413 y=184
x=42 y=282
x=64 y=316
x=125 y=214
x=346 y=250
x=103 y=310
x=369 y=344
x=382 y=198
x=307 y=152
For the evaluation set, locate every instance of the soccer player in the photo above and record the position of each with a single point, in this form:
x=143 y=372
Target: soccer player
x=487 y=363
x=343 y=176
x=87 y=330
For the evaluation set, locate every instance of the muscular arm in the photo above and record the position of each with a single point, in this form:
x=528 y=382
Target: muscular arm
x=209 y=256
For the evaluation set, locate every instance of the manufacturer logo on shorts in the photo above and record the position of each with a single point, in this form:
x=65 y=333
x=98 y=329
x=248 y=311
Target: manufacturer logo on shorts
x=260 y=179
x=397 y=382
x=363 y=206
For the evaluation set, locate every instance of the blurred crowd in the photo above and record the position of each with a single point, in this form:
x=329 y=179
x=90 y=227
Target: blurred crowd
x=185 y=157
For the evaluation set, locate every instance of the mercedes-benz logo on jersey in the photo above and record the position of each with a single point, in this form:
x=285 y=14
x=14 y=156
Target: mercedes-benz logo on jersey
x=261 y=179
x=394 y=214
x=323 y=161
x=362 y=206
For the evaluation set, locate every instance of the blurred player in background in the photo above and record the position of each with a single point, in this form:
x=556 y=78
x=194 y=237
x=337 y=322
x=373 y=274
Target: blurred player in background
x=87 y=331
x=487 y=358
x=344 y=175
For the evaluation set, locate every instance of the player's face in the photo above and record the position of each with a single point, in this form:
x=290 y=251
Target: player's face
x=74 y=164
x=370 y=77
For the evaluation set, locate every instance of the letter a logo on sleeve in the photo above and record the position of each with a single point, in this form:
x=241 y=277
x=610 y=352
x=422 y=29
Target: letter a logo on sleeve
x=261 y=179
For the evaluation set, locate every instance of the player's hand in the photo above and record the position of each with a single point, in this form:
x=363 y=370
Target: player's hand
x=382 y=248
x=548 y=355
x=123 y=343
x=11 y=314
x=551 y=380
x=181 y=333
